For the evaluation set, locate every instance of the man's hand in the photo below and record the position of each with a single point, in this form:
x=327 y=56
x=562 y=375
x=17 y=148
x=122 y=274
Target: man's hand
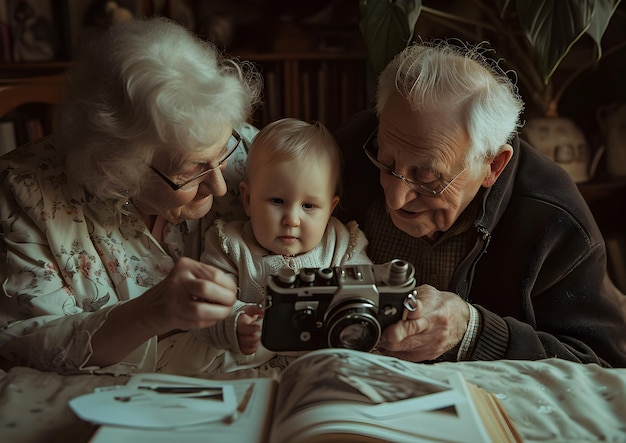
x=437 y=325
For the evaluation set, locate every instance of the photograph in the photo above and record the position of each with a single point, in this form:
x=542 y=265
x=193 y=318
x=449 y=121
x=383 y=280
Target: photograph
x=334 y=376
x=35 y=30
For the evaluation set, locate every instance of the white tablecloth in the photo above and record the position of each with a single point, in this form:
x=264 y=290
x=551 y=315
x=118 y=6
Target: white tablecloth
x=549 y=401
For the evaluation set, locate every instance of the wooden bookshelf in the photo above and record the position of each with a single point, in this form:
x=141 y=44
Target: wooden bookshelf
x=27 y=102
x=328 y=87
x=17 y=72
x=311 y=56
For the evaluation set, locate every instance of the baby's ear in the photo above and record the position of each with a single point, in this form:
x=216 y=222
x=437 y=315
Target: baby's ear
x=245 y=197
x=334 y=202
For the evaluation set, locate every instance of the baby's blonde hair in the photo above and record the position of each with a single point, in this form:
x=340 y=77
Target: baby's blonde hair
x=293 y=139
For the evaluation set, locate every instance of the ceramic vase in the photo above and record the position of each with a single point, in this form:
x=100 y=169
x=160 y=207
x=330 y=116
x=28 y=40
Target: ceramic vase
x=560 y=140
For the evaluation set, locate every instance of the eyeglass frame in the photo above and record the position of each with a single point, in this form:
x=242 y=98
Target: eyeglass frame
x=420 y=188
x=177 y=186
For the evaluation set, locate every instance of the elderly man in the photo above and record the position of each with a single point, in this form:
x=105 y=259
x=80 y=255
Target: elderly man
x=510 y=263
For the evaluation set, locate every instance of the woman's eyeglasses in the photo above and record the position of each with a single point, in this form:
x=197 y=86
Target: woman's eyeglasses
x=431 y=188
x=231 y=147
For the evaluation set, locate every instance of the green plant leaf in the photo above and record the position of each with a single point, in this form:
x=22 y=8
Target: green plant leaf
x=602 y=13
x=552 y=27
x=387 y=28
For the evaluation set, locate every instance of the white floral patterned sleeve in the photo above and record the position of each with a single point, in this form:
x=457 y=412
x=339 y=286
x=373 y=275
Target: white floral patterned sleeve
x=64 y=262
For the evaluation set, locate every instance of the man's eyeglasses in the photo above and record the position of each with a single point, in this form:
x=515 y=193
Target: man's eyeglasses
x=231 y=147
x=431 y=187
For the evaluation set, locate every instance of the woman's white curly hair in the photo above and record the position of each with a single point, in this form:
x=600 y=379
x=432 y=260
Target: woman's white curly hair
x=144 y=86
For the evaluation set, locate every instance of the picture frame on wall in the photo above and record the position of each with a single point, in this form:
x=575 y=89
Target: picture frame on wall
x=82 y=18
x=36 y=33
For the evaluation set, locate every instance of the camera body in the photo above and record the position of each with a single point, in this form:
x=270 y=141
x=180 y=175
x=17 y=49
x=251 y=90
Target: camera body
x=339 y=307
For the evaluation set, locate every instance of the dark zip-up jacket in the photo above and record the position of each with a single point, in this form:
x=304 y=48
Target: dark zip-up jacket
x=537 y=272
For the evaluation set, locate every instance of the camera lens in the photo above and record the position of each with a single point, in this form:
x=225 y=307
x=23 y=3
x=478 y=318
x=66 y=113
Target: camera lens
x=353 y=325
x=356 y=336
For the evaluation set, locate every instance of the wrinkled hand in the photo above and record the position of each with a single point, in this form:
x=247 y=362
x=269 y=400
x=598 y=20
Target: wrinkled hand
x=249 y=329
x=194 y=295
x=437 y=325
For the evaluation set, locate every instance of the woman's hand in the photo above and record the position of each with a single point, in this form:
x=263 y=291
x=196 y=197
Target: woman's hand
x=193 y=295
x=437 y=325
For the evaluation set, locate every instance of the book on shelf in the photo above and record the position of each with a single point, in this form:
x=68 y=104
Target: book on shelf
x=274 y=96
x=307 y=103
x=323 y=92
x=328 y=395
x=8 y=141
x=23 y=125
x=5 y=34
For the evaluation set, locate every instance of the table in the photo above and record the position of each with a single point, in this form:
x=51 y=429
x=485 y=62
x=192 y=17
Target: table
x=549 y=400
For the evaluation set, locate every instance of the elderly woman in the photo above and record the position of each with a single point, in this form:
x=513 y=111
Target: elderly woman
x=95 y=219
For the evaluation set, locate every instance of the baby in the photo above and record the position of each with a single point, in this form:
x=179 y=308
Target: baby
x=291 y=188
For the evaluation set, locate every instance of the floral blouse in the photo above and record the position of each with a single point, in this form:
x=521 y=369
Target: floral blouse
x=65 y=262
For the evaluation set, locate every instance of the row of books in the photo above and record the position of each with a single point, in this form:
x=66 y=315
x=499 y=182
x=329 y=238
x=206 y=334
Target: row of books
x=19 y=128
x=328 y=90
x=325 y=90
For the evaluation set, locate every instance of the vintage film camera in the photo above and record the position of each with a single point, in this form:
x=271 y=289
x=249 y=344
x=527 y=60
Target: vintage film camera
x=339 y=307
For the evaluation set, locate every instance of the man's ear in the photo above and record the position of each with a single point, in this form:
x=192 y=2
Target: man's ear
x=497 y=165
x=245 y=197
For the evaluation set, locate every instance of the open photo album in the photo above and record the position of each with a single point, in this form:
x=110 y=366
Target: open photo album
x=327 y=395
